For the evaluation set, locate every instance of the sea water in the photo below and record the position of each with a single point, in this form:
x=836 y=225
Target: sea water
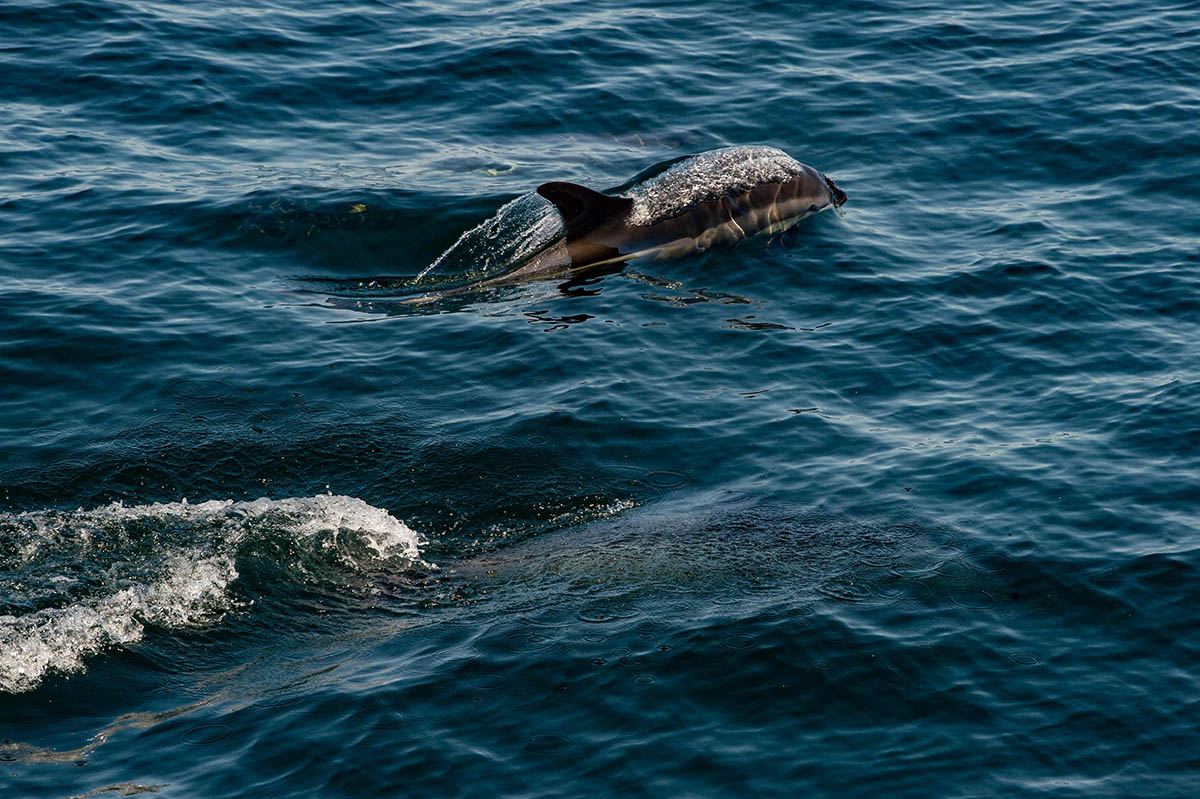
x=902 y=501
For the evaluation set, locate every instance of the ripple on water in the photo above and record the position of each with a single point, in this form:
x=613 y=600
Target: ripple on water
x=843 y=490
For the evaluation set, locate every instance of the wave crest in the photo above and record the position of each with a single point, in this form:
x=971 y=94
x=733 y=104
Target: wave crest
x=78 y=582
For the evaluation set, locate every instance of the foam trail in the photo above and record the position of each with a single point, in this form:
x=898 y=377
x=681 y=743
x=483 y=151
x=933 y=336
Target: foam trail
x=77 y=582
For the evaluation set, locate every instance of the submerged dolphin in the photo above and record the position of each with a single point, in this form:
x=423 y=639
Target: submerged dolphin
x=708 y=200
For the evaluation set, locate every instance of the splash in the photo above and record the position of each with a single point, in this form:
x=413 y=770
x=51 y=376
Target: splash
x=78 y=582
x=520 y=230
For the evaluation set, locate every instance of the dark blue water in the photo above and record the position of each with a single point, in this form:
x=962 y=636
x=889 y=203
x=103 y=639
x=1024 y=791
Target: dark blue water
x=903 y=501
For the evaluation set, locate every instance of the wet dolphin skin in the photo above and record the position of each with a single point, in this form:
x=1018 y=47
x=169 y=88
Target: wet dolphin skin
x=708 y=200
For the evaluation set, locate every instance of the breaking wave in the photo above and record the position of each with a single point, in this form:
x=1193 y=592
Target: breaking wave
x=74 y=583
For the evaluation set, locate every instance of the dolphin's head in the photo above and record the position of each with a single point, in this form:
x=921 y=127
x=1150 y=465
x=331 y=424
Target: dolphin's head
x=837 y=194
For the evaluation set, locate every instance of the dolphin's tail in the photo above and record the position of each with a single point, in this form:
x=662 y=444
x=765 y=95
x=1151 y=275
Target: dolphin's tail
x=837 y=194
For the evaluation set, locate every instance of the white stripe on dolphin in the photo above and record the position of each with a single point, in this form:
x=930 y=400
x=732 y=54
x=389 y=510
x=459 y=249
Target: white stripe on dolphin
x=712 y=199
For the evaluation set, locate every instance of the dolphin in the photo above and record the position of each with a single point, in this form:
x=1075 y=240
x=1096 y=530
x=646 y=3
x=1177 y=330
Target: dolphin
x=713 y=199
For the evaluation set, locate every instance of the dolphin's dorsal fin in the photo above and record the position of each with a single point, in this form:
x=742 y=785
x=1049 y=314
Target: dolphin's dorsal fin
x=583 y=209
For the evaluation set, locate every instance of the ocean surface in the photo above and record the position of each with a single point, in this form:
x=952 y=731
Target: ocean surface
x=904 y=501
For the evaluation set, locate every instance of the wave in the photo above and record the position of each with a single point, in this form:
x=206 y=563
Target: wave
x=76 y=583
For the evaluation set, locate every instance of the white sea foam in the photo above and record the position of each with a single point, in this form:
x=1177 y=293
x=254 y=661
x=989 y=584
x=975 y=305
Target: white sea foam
x=78 y=582
x=59 y=639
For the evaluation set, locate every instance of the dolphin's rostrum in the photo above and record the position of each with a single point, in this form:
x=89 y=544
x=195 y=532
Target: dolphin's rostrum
x=708 y=200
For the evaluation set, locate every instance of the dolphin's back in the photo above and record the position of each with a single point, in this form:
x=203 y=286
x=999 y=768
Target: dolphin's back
x=713 y=199
x=733 y=172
